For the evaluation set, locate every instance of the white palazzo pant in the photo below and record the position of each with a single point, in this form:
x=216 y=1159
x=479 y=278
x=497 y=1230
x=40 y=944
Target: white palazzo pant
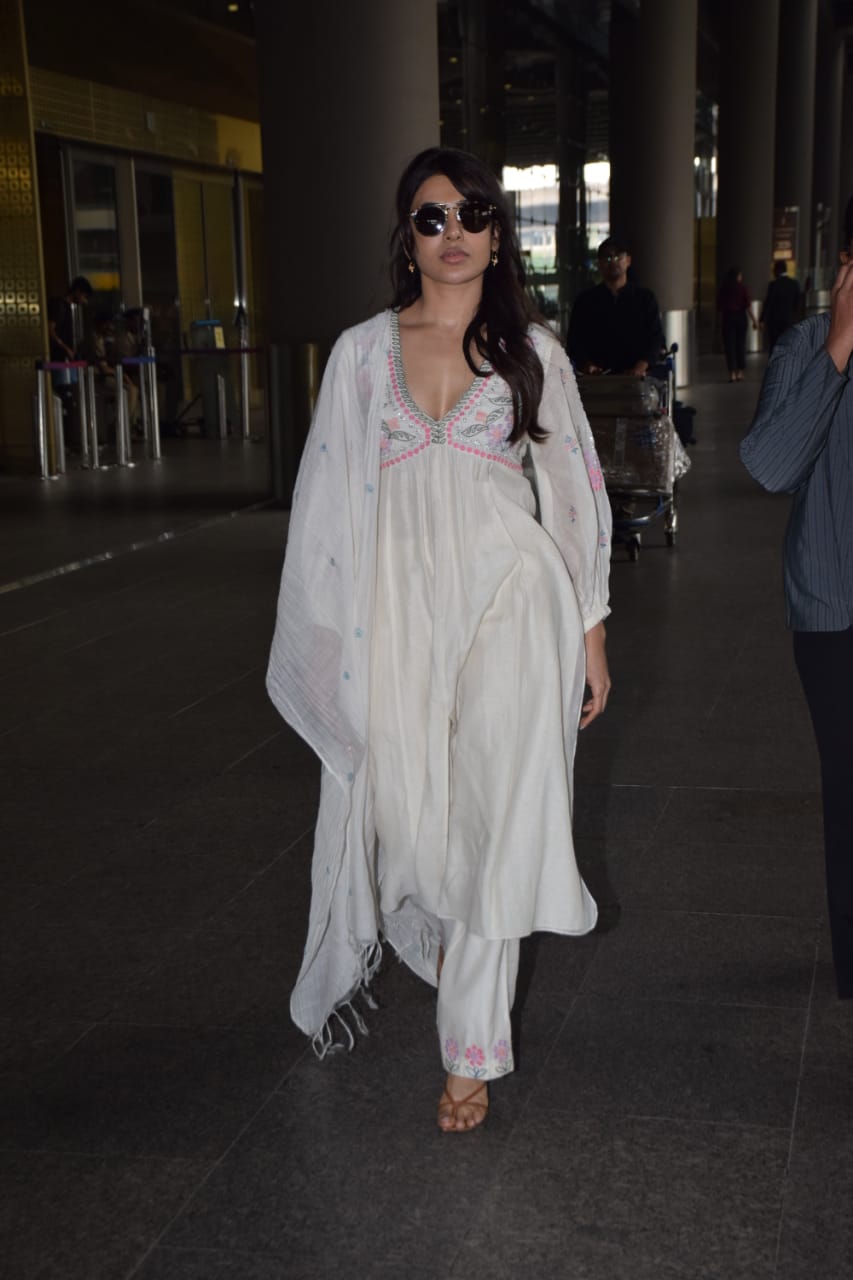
x=476 y=989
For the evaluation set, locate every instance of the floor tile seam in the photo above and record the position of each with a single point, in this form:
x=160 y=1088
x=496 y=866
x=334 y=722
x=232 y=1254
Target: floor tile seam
x=627 y=906
x=718 y=915
x=686 y=786
x=655 y=827
x=672 y=1000
x=745 y=640
x=131 y=625
x=590 y=1112
x=74 y=695
x=805 y=844
x=34 y=622
x=506 y=1152
x=252 y=751
x=213 y=1252
x=795 y=1110
x=202 y=926
x=160 y=1024
x=55 y=1058
x=102 y=557
x=542 y=1073
x=119 y=869
x=123 y=1156
x=212 y=693
x=212 y=1170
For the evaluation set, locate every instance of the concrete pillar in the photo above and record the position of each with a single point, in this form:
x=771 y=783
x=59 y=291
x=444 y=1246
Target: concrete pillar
x=483 y=39
x=349 y=93
x=652 y=143
x=845 y=168
x=747 y=118
x=570 y=156
x=826 y=175
x=795 y=103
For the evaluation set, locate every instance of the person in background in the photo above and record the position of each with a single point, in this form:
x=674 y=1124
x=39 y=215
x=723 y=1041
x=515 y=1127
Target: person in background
x=104 y=358
x=60 y=319
x=735 y=305
x=615 y=326
x=799 y=443
x=781 y=307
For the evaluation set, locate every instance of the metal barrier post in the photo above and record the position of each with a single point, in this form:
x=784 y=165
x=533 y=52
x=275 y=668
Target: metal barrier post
x=221 y=409
x=150 y=371
x=83 y=414
x=244 y=381
x=88 y=392
x=143 y=402
x=58 y=436
x=123 y=457
x=40 y=423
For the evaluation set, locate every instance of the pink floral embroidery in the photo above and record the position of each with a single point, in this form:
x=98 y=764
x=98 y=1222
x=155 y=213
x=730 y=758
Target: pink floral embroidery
x=451 y=1050
x=501 y=1051
x=474 y=1055
x=593 y=469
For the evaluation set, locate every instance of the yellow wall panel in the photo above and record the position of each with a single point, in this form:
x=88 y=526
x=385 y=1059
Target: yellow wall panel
x=23 y=325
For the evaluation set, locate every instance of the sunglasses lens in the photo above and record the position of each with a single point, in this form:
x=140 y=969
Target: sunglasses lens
x=430 y=219
x=475 y=216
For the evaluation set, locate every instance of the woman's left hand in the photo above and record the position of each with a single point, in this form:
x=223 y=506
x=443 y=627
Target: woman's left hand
x=597 y=675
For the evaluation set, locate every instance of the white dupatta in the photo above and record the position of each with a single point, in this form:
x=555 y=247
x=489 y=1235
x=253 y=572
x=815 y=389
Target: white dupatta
x=319 y=669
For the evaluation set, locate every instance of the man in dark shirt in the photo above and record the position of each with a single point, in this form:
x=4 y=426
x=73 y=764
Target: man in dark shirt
x=615 y=326
x=781 y=306
x=60 y=318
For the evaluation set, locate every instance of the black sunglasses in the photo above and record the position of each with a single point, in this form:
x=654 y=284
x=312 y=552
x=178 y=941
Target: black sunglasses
x=472 y=215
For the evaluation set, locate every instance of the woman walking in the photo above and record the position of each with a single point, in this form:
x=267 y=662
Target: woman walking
x=735 y=305
x=434 y=639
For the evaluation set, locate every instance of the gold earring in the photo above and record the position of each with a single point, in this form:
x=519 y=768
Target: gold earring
x=411 y=266
x=494 y=257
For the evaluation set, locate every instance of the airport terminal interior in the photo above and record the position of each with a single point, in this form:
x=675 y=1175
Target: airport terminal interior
x=681 y=1107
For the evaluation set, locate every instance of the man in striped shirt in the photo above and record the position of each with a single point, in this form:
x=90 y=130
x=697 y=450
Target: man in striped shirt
x=801 y=442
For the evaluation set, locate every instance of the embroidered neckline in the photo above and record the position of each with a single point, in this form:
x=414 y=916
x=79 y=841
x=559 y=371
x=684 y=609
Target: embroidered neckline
x=403 y=386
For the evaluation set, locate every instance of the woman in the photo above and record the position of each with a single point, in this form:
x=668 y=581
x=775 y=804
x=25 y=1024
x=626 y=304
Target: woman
x=735 y=305
x=433 y=639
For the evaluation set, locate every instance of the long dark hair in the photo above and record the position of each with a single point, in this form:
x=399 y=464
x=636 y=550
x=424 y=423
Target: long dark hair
x=499 y=330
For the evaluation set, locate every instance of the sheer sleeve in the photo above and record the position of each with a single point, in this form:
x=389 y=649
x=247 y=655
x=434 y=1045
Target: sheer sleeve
x=574 y=507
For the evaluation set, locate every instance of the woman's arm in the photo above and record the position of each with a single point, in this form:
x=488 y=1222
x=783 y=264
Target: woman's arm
x=574 y=506
x=597 y=675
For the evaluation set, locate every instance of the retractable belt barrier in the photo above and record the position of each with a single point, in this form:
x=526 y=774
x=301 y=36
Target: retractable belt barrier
x=148 y=403
x=87 y=407
x=243 y=351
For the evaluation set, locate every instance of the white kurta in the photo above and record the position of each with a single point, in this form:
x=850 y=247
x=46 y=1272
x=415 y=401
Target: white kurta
x=444 y=702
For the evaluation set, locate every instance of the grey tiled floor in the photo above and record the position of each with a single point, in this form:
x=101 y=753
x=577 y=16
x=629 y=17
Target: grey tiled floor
x=683 y=1105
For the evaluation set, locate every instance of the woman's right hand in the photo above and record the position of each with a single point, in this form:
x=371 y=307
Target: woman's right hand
x=839 y=342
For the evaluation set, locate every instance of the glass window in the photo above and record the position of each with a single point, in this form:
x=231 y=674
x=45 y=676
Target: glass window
x=96 y=230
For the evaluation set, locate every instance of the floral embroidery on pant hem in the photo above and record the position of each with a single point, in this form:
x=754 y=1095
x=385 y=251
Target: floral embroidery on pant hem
x=475 y=1062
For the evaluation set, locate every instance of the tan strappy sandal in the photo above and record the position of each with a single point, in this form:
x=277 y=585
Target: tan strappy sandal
x=451 y=1110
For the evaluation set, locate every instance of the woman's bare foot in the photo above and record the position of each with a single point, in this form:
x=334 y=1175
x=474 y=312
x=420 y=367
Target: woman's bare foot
x=460 y=1107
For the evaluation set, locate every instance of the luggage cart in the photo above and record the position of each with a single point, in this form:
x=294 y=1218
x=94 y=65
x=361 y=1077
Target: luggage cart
x=640 y=454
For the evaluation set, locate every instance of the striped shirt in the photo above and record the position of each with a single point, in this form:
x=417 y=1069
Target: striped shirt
x=801 y=442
